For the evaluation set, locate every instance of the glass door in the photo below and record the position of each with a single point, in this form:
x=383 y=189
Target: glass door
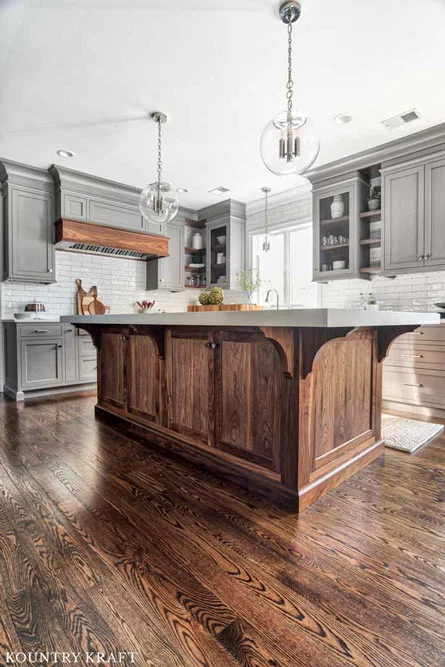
x=334 y=227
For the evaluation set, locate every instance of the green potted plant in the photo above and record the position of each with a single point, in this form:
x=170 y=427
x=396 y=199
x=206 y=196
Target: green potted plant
x=375 y=196
x=249 y=280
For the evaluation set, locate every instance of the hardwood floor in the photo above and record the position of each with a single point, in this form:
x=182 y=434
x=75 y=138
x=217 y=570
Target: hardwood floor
x=108 y=545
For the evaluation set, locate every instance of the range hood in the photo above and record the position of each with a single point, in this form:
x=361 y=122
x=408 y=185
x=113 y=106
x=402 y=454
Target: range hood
x=87 y=237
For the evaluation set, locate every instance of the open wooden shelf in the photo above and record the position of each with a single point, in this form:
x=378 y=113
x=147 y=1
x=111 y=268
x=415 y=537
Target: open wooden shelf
x=370 y=269
x=196 y=224
x=195 y=268
x=201 y=287
x=370 y=241
x=371 y=214
x=335 y=221
x=189 y=251
x=334 y=247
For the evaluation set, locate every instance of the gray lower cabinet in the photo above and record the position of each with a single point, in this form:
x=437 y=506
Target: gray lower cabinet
x=168 y=273
x=43 y=357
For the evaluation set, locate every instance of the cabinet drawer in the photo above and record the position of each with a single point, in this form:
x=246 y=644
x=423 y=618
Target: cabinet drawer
x=86 y=347
x=421 y=357
x=87 y=369
x=414 y=388
x=428 y=333
x=40 y=329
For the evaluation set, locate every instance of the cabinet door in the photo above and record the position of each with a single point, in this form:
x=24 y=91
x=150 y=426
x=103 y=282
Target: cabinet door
x=335 y=238
x=189 y=395
x=115 y=214
x=435 y=214
x=404 y=217
x=218 y=247
x=112 y=369
x=168 y=272
x=87 y=369
x=144 y=388
x=248 y=386
x=30 y=236
x=41 y=363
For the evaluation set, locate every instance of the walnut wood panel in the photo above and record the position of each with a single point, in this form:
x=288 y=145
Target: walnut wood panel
x=144 y=382
x=72 y=231
x=188 y=383
x=112 y=388
x=343 y=379
x=248 y=389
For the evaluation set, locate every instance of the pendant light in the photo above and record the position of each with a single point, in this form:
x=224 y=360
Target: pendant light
x=289 y=143
x=266 y=244
x=159 y=203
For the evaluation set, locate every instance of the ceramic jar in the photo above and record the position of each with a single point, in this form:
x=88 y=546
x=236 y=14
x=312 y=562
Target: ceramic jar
x=337 y=207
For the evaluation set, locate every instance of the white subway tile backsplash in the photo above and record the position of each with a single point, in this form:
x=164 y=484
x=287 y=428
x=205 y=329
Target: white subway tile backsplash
x=120 y=283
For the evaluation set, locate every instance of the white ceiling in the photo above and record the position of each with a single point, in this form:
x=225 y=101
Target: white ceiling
x=84 y=74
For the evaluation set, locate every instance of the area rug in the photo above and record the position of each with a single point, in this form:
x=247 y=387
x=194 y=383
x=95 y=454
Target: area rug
x=407 y=434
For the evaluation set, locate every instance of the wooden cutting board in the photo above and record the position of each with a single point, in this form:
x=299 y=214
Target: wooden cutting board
x=87 y=302
x=229 y=306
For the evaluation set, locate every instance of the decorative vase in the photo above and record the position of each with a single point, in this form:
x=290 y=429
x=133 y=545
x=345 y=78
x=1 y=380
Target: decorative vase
x=197 y=241
x=373 y=204
x=337 y=207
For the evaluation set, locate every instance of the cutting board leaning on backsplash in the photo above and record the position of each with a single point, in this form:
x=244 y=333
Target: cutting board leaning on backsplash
x=87 y=302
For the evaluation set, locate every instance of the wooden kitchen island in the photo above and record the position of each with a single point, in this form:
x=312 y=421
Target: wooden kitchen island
x=283 y=402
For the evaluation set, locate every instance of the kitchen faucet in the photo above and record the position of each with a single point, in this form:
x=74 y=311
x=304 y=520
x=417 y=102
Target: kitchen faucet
x=278 y=297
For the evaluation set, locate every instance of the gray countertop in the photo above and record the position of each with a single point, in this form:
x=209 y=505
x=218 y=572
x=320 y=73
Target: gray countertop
x=313 y=317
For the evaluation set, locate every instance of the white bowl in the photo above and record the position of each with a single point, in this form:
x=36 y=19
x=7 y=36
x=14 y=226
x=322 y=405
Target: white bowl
x=339 y=264
x=221 y=239
x=23 y=316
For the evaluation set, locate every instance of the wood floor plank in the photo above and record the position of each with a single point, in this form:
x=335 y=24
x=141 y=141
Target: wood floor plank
x=106 y=542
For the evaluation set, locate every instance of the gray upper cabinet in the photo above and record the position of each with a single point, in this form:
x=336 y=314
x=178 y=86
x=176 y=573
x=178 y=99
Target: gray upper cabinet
x=435 y=213
x=28 y=201
x=414 y=215
x=96 y=200
x=168 y=273
x=403 y=218
x=226 y=241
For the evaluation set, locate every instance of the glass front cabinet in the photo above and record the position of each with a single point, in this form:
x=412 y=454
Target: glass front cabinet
x=336 y=217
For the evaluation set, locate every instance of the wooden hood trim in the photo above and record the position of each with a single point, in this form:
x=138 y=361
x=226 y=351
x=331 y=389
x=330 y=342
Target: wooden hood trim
x=72 y=231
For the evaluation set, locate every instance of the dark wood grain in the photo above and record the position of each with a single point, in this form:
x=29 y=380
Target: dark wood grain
x=108 y=544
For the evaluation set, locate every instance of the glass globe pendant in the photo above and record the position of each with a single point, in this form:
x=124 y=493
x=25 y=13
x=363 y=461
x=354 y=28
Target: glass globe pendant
x=289 y=143
x=158 y=202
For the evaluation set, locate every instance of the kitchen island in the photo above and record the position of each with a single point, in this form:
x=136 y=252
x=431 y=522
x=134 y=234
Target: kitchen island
x=284 y=402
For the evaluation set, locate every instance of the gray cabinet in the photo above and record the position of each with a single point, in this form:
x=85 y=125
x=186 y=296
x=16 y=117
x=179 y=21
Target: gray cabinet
x=414 y=215
x=435 y=213
x=403 y=218
x=41 y=363
x=28 y=201
x=168 y=273
x=46 y=357
x=336 y=218
x=225 y=243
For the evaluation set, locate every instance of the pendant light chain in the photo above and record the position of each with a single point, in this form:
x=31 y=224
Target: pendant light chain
x=159 y=151
x=290 y=83
x=266 y=194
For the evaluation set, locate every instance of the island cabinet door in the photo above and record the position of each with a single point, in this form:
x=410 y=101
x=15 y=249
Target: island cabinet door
x=247 y=392
x=112 y=360
x=143 y=378
x=189 y=362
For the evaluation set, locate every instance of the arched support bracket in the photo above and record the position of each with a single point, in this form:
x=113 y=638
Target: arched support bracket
x=285 y=341
x=95 y=332
x=387 y=335
x=312 y=340
x=156 y=333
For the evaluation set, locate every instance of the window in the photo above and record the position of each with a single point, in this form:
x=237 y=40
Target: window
x=287 y=267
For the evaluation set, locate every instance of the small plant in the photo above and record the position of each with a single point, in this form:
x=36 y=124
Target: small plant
x=375 y=192
x=203 y=298
x=197 y=257
x=216 y=296
x=249 y=280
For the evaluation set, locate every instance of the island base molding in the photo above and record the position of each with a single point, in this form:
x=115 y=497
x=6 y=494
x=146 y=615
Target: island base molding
x=288 y=412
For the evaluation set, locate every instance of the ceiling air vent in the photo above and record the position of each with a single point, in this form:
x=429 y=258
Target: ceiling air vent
x=401 y=119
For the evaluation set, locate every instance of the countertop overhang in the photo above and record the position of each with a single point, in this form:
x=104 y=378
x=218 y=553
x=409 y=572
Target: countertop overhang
x=313 y=317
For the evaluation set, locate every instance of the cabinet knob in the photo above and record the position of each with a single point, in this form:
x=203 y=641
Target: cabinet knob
x=59 y=346
x=162 y=280
x=50 y=271
x=427 y=257
x=125 y=338
x=421 y=258
x=68 y=330
x=211 y=346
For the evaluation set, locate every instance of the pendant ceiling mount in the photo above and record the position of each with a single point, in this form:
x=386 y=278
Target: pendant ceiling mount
x=289 y=143
x=290 y=11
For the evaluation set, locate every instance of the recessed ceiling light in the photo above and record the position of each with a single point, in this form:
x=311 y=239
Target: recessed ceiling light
x=342 y=118
x=182 y=190
x=220 y=190
x=63 y=153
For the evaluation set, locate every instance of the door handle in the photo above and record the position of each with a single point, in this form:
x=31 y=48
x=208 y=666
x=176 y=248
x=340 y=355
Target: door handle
x=68 y=330
x=413 y=356
x=59 y=346
x=421 y=258
x=41 y=331
x=408 y=384
x=427 y=257
x=211 y=346
x=416 y=333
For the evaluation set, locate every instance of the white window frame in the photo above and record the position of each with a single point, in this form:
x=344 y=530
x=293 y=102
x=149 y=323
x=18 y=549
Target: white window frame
x=286 y=228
